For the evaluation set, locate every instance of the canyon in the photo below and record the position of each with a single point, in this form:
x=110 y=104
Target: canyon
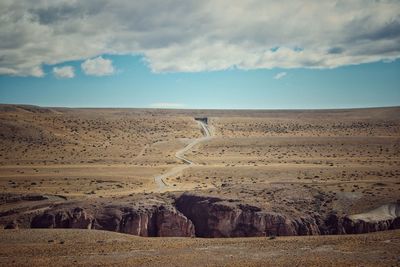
x=194 y=215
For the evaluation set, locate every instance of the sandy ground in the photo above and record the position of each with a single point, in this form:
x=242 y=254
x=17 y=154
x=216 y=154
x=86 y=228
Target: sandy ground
x=286 y=161
x=99 y=248
x=160 y=180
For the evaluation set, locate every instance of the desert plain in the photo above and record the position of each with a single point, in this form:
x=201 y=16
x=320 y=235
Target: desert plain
x=96 y=187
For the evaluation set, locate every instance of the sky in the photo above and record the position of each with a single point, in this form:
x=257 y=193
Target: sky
x=250 y=54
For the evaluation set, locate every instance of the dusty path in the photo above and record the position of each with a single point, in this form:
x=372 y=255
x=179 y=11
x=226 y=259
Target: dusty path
x=160 y=179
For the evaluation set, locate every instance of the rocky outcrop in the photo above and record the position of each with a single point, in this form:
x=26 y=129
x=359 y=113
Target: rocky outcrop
x=159 y=221
x=11 y=225
x=77 y=218
x=170 y=222
x=138 y=222
x=383 y=218
x=202 y=216
x=80 y=219
x=215 y=217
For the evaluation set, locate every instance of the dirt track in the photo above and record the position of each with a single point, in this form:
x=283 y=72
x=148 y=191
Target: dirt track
x=160 y=179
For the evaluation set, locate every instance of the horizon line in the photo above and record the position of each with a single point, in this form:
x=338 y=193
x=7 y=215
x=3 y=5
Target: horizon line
x=177 y=108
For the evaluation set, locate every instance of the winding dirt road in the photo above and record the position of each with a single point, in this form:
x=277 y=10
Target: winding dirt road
x=160 y=179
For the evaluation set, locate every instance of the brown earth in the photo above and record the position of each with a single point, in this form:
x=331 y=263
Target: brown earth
x=71 y=247
x=261 y=173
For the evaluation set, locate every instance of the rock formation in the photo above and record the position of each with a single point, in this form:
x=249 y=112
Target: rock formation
x=77 y=218
x=170 y=222
x=203 y=216
x=157 y=221
x=385 y=217
x=214 y=217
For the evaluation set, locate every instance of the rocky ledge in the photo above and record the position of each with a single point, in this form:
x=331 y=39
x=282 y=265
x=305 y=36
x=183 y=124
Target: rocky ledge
x=161 y=221
x=204 y=216
x=385 y=217
x=215 y=217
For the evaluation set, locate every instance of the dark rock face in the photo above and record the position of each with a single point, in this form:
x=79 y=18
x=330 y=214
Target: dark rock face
x=137 y=222
x=214 y=217
x=333 y=225
x=77 y=218
x=109 y=219
x=159 y=221
x=45 y=220
x=359 y=226
x=170 y=222
x=205 y=216
x=383 y=218
x=80 y=220
x=12 y=225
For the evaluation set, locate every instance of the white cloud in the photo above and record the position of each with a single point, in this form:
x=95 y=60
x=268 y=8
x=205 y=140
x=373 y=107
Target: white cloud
x=64 y=72
x=167 y=105
x=197 y=35
x=98 y=67
x=37 y=71
x=280 y=75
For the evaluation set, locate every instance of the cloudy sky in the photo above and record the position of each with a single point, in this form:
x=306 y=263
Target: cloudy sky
x=200 y=54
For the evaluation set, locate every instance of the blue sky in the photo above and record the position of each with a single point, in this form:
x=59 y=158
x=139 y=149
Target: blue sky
x=258 y=54
x=135 y=85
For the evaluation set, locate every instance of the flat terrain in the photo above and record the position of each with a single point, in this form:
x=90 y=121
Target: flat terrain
x=74 y=152
x=295 y=162
x=99 y=248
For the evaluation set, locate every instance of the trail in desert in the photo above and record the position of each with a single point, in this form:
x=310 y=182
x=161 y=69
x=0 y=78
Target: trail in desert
x=160 y=179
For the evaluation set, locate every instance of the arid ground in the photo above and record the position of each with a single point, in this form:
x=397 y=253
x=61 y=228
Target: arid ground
x=63 y=247
x=250 y=186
